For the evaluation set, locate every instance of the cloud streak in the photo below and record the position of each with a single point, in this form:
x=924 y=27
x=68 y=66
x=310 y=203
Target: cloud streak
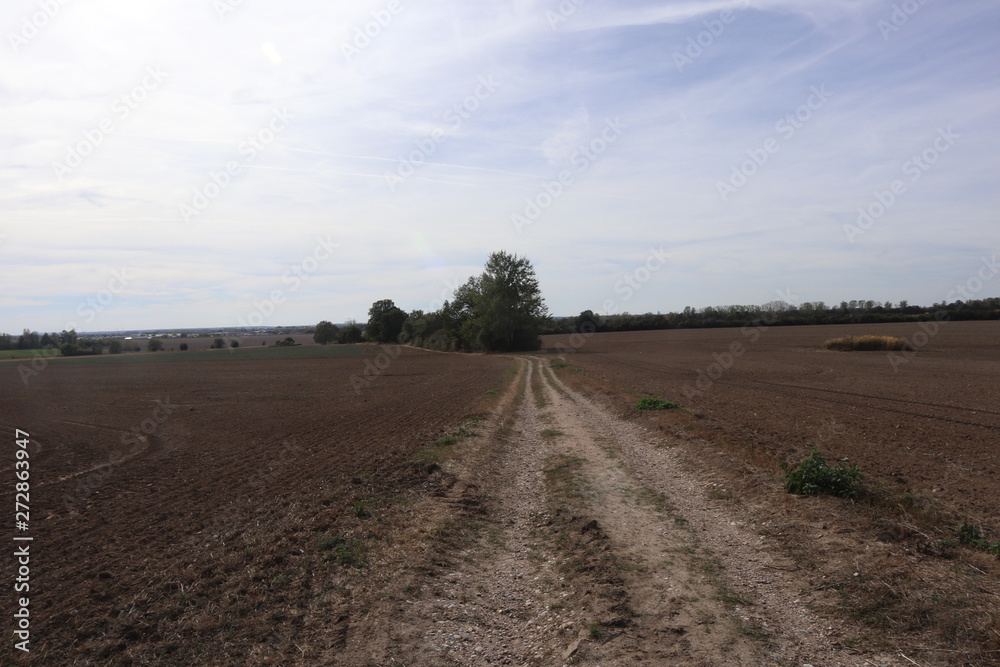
x=354 y=120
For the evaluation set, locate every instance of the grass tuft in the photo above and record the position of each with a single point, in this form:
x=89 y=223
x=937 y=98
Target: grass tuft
x=650 y=403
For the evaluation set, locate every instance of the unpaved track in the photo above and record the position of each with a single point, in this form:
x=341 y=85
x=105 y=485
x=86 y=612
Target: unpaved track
x=594 y=546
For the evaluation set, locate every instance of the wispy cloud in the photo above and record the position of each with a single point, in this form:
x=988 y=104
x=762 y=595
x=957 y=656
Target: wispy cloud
x=140 y=151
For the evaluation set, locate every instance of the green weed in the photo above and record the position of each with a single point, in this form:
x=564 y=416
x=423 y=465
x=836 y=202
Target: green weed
x=814 y=477
x=650 y=403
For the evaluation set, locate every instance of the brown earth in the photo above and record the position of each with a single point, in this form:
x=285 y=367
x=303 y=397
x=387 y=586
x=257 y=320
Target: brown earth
x=933 y=426
x=924 y=437
x=273 y=515
x=196 y=543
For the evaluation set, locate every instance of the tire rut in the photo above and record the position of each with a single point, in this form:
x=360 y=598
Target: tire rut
x=731 y=573
x=569 y=536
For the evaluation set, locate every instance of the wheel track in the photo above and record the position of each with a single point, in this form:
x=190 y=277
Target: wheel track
x=749 y=566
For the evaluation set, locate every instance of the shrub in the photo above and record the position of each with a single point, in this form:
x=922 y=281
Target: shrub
x=184 y=346
x=814 y=476
x=115 y=347
x=234 y=343
x=154 y=345
x=218 y=344
x=81 y=348
x=867 y=344
x=650 y=403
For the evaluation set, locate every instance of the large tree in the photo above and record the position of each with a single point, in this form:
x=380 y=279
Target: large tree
x=326 y=332
x=385 y=321
x=508 y=308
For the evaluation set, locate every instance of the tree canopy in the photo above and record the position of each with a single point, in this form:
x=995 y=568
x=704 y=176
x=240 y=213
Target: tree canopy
x=351 y=333
x=385 y=322
x=510 y=310
x=326 y=332
x=502 y=309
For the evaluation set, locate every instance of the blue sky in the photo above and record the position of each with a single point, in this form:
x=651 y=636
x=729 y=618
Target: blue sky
x=212 y=163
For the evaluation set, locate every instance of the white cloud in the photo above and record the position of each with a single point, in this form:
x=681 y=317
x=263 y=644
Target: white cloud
x=560 y=146
x=354 y=122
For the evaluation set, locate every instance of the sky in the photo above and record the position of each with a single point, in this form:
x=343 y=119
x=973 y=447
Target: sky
x=218 y=163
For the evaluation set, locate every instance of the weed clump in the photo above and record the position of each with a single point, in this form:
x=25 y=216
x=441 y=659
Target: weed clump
x=815 y=476
x=650 y=403
x=972 y=535
x=867 y=344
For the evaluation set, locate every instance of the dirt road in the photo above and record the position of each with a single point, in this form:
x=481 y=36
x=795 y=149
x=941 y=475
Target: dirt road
x=564 y=535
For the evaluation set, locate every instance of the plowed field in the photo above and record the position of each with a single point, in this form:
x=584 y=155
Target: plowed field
x=354 y=505
x=179 y=510
x=931 y=423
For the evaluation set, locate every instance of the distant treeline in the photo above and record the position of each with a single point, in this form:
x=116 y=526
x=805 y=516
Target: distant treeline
x=67 y=343
x=779 y=313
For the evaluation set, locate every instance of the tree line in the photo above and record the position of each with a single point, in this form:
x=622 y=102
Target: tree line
x=67 y=342
x=779 y=313
x=502 y=309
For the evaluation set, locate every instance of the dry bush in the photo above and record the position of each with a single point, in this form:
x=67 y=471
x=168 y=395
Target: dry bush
x=867 y=344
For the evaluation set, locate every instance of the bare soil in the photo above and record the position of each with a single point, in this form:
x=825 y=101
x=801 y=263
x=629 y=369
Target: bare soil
x=468 y=509
x=932 y=426
x=198 y=541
